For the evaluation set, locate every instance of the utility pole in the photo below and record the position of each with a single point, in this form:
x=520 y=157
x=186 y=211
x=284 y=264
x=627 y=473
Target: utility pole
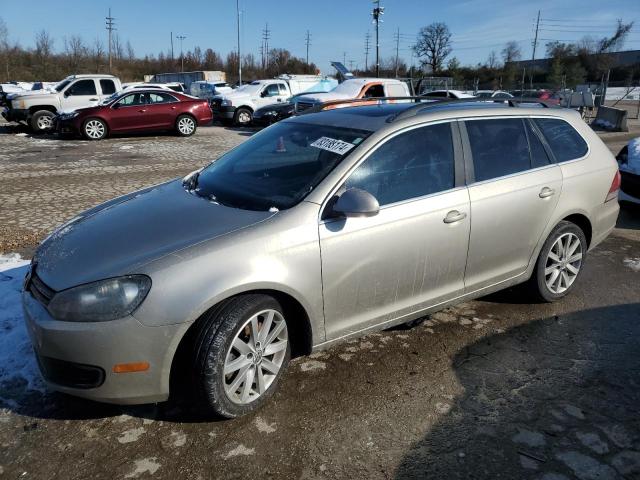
x=266 y=35
x=181 y=38
x=111 y=24
x=377 y=12
x=171 y=47
x=344 y=58
x=533 y=55
x=239 y=55
x=397 y=35
x=366 y=51
x=308 y=42
x=351 y=65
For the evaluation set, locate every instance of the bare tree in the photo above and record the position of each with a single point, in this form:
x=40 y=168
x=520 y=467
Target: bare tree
x=118 y=48
x=615 y=41
x=75 y=51
x=43 y=53
x=492 y=60
x=434 y=45
x=131 y=55
x=4 y=46
x=511 y=52
x=97 y=52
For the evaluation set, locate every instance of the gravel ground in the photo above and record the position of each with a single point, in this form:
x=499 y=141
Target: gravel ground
x=492 y=389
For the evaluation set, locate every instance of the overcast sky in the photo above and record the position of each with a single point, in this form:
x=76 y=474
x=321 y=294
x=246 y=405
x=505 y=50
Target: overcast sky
x=336 y=26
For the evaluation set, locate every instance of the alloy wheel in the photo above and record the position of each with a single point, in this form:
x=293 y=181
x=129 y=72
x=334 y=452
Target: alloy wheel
x=563 y=264
x=45 y=122
x=255 y=357
x=94 y=129
x=186 y=125
x=244 y=117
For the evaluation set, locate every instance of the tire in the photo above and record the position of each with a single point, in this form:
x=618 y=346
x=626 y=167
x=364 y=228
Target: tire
x=42 y=121
x=548 y=283
x=94 y=129
x=216 y=350
x=243 y=117
x=186 y=125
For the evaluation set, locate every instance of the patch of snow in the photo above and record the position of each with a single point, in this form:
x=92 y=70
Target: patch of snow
x=632 y=263
x=21 y=134
x=146 y=465
x=312 y=365
x=274 y=209
x=17 y=361
x=178 y=439
x=132 y=435
x=263 y=426
x=240 y=450
x=126 y=147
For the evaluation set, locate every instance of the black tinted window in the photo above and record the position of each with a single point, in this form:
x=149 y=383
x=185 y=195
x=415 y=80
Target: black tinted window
x=83 y=87
x=499 y=147
x=565 y=142
x=415 y=163
x=539 y=157
x=108 y=87
x=374 y=91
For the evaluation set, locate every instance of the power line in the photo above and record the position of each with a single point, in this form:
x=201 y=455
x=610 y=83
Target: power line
x=111 y=26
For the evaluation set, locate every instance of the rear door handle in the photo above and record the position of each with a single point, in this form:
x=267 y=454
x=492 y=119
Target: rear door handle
x=546 y=192
x=454 y=216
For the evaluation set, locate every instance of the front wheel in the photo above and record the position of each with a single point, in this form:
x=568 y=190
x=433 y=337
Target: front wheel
x=94 y=129
x=240 y=354
x=42 y=121
x=185 y=125
x=559 y=263
x=242 y=117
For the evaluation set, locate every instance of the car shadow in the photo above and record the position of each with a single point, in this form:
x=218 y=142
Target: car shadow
x=558 y=395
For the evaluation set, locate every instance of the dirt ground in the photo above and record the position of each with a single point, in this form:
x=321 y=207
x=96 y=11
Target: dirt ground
x=497 y=388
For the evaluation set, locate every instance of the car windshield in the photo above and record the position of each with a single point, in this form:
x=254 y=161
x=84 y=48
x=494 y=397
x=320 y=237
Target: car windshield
x=351 y=89
x=484 y=94
x=250 y=88
x=110 y=98
x=277 y=167
x=59 y=87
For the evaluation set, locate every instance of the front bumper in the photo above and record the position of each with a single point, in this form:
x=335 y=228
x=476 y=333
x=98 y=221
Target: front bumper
x=15 y=115
x=223 y=112
x=73 y=355
x=65 y=127
x=630 y=184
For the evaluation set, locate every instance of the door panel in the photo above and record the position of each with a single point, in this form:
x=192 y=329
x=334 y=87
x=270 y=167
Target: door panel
x=400 y=261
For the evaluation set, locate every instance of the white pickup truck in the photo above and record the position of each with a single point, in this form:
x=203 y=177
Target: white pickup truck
x=37 y=109
x=238 y=106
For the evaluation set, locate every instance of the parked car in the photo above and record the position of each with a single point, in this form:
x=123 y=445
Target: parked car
x=265 y=116
x=137 y=110
x=208 y=90
x=174 y=86
x=38 y=108
x=238 y=106
x=492 y=94
x=447 y=94
x=629 y=164
x=218 y=278
x=542 y=94
x=353 y=89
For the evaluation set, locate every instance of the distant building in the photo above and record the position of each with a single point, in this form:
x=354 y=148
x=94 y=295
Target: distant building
x=618 y=59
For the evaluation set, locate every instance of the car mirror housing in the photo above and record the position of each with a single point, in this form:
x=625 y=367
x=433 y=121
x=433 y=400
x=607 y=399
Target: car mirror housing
x=356 y=203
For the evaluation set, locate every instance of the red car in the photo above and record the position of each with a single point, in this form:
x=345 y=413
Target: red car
x=137 y=111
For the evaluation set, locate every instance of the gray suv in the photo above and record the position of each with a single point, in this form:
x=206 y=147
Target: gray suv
x=320 y=228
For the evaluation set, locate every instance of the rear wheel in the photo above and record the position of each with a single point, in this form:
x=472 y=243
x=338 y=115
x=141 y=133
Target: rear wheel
x=42 y=121
x=94 y=129
x=242 y=117
x=185 y=125
x=240 y=354
x=560 y=262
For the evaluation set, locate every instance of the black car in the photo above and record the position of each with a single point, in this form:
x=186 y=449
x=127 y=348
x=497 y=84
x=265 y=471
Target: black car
x=265 y=116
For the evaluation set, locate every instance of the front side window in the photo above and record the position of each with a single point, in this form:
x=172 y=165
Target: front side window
x=83 y=87
x=277 y=167
x=412 y=164
x=499 y=147
x=108 y=87
x=565 y=142
x=374 y=91
x=129 y=100
x=271 y=90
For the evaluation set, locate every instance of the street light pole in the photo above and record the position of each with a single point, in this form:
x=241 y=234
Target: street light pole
x=181 y=38
x=377 y=11
x=239 y=55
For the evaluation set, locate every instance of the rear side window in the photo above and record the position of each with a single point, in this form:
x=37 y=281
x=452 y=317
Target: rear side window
x=499 y=147
x=565 y=142
x=410 y=165
x=539 y=157
x=395 y=90
x=108 y=87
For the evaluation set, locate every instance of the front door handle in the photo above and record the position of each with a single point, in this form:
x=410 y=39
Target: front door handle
x=93 y=99
x=454 y=216
x=142 y=110
x=546 y=192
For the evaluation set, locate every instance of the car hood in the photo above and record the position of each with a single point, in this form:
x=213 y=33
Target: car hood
x=323 y=97
x=32 y=93
x=275 y=107
x=120 y=236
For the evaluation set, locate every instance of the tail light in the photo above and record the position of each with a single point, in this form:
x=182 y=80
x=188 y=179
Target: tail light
x=615 y=187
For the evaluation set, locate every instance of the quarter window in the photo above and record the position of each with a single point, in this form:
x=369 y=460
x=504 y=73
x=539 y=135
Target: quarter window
x=83 y=87
x=499 y=147
x=415 y=163
x=539 y=157
x=565 y=142
x=108 y=87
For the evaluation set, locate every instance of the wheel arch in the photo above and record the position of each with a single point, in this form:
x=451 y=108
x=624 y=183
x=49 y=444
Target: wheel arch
x=582 y=221
x=37 y=108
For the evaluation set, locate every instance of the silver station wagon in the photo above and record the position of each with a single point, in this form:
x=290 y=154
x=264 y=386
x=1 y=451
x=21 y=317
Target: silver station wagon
x=318 y=229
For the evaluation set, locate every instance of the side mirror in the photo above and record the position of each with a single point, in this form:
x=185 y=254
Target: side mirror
x=116 y=105
x=265 y=93
x=356 y=203
x=67 y=93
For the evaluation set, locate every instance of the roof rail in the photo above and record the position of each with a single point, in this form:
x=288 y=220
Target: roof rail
x=362 y=101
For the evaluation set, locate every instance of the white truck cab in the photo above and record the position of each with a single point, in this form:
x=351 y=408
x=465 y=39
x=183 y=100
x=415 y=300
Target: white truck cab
x=356 y=88
x=238 y=105
x=75 y=91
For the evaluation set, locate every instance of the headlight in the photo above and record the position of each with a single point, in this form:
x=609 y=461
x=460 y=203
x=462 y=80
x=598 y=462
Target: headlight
x=271 y=113
x=226 y=103
x=100 y=301
x=69 y=116
x=17 y=104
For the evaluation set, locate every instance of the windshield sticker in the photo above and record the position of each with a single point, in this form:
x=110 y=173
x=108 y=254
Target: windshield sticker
x=333 y=145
